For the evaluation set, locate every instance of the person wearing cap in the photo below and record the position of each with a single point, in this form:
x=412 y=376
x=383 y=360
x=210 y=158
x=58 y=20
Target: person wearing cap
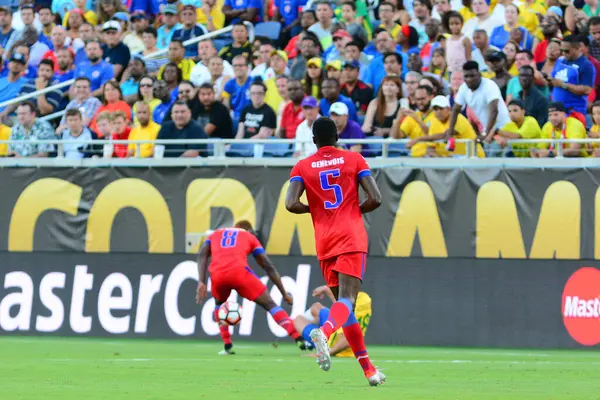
x=333 y=70
x=211 y=14
x=190 y=29
x=95 y=69
x=346 y=128
x=324 y=26
x=240 y=44
x=356 y=90
x=292 y=114
x=243 y=10
x=501 y=77
x=134 y=40
x=11 y=85
x=305 y=145
x=6 y=29
x=439 y=130
x=336 y=52
x=331 y=94
x=170 y=25
x=115 y=52
x=277 y=65
x=257 y=120
x=520 y=127
x=573 y=76
x=560 y=126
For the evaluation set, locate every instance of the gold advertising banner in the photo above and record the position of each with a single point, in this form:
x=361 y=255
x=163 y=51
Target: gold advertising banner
x=434 y=213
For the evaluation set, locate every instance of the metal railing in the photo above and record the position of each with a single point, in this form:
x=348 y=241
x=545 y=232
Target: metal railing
x=61 y=85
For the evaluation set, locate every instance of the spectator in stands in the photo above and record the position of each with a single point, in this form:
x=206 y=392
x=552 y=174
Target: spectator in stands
x=11 y=85
x=292 y=114
x=411 y=84
x=83 y=101
x=265 y=48
x=552 y=56
x=422 y=12
x=212 y=115
x=172 y=76
x=355 y=89
x=130 y=83
x=500 y=35
x=341 y=38
x=482 y=48
x=383 y=110
x=74 y=22
x=145 y=94
x=315 y=75
x=585 y=50
x=519 y=127
x=257 y=120
x=305 y=145
x=593 y=28
x=331 y=95
x=573 y=76
x=184 y=128
x=307 y=19
x=387 y=18
x=376 y=71
x=189 y=30
x=242 y=10
x=392 y=65
x=76 y=130
x=28 y=128
x=458 y=46
x=28 y=21
x=200 y=72
x=239 y=46
x=333 y=70
x=325 y=25
x=286 y=12
x=112 y=101
x=560 y=126
x=86 y=34
x=58 y=38
x=352 y=52
x=235 y=93
x=120 y=131
x=115 y=52
x=415 y=125
x=347 y=129
x=177 y=55
x=550 y=30
x=6 y=30
x=170 y=25
x=104 y=123
x=106 y=9
x=65 y=72
x=310 y=48
x=149 y=38
x=211 y=15
x=96 y=69
x=218 y=77
x=485 y=99
x=525 y=57
x=145 y=129
x=355 y=25
x=163 y=94
x=483 y=19
x=278 y=61
x=139 y=20
x=432 y=30
x=498 y=64
x=186 y=91
x=535 y=102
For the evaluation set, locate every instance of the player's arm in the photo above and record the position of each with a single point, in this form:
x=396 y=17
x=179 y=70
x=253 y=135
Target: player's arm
x=265 y=263
x=340 y=345
x=323 y=291
x=373 y=200
x=292 y=199
x=203 y=257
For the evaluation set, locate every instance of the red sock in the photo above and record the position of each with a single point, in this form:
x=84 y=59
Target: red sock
x=223 y=328
x=356 y=340
x=338 y=315
x=283 y=319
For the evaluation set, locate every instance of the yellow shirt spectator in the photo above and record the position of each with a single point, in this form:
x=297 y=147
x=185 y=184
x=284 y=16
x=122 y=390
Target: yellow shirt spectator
x=89 y=16
x=528 y=18
x=272 y=97
x=530 y=129
x=594 y=129
x=4 y=135
x=218 y=18
x=463 y=129
x=186 y=65
x=411 y=129
x=148 y=132
x=572 y=129
x=394 y=31
x=466 y=13
x=152 y=104
x=363 y=313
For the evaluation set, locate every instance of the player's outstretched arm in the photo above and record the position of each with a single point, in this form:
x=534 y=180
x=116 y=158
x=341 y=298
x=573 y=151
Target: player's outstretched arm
x=203 y=256
x=263 y=260
x=373 y=200
x=292 y=199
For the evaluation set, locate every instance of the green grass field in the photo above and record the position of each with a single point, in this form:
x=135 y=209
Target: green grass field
x=82 y=368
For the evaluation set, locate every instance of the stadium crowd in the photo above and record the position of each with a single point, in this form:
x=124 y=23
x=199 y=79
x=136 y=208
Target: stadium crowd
x=429 y=72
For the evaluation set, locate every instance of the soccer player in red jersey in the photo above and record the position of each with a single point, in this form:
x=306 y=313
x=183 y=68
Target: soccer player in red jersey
x=331 y=178
x=228 y=250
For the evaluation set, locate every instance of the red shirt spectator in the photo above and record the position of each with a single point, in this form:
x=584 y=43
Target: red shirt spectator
x=292 y=114
x=121 y=132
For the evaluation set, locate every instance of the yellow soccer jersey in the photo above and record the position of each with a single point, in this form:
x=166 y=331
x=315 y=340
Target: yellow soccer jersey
x=411 y=128
x=362 y=311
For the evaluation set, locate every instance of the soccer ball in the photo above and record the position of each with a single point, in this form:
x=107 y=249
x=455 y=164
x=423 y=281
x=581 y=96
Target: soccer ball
x=230 y=313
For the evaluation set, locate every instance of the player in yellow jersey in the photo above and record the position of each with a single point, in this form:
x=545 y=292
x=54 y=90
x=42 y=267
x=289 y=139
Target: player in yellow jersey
x=317 y=314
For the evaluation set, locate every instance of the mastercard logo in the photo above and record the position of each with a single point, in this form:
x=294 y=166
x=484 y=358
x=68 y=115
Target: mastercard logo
x=581 y=306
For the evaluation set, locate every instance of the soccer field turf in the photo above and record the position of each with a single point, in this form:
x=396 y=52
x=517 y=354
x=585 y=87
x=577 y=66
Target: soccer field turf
x=84 y=368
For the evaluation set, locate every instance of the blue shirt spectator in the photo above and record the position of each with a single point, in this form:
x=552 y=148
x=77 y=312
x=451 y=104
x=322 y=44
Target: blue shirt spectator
x=288 y=9
x=244 y=4
x=500 y=36
x=376 y=71
x=325 y=105
x=189 y=30
x=238 y=95
x=96 y=70
x=11 y=85
x=575 y=69
x=149 y=7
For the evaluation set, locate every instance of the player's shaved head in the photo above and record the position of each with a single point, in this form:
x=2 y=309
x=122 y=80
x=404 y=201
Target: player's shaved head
x=324 y=132
x=244 y=224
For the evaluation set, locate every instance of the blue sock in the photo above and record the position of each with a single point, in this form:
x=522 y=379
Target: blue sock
x=306 y=332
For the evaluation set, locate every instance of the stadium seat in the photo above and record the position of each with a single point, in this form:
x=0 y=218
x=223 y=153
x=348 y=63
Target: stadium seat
x=269 y=30
x=397 y=150
x=373 y=149
x=277 y=149
x=240 y=150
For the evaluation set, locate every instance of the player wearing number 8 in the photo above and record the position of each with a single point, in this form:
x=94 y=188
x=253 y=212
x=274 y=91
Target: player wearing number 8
x=331 y=179
x=228 y=250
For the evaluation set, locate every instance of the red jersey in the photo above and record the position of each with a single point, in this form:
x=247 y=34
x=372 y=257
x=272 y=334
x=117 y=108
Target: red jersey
x=331 y=178
x=229 y=248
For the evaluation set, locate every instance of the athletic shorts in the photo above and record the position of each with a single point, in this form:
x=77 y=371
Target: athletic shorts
x=243 y=280
x=353 y=264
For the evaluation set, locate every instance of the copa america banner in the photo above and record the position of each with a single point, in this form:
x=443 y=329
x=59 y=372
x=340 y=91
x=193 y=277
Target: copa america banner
x=432 y=213
x=415 y=301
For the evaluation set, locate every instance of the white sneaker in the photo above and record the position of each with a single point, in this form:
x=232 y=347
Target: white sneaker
x=226 y=353
x=378 y=378
x=322 y=348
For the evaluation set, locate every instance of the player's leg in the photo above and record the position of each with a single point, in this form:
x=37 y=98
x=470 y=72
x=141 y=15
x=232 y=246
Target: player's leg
x=221 y=291
x=310 y=320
